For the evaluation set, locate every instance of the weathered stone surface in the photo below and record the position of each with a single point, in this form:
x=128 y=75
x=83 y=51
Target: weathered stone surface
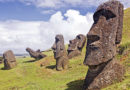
x=9 y=60
x=103 y=37
x=35 y=54
x=76 y=45
x=60 y=53
x=38 y=50
x=103 y=75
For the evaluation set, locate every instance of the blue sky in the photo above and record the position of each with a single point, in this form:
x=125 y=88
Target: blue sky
x=34 y=23
x=35 y=10
x=20 y=11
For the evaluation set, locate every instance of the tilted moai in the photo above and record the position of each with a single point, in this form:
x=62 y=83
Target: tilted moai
x=102 y=39
x=76 y=45
x=35 y=54
x=60 y=53
x=9 y=60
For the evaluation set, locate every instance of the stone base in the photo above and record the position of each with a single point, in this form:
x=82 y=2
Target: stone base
x=61 y=63
x=112 y=72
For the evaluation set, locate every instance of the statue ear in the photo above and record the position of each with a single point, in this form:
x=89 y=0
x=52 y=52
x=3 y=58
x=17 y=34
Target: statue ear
x=120 y=25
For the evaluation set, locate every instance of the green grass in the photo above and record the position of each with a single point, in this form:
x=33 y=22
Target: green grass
x=28 y=75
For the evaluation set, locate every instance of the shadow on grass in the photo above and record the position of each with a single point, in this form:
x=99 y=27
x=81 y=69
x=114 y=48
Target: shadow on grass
x=30 y=61
x=4 y=68
x=51 y=66
x=75 y=85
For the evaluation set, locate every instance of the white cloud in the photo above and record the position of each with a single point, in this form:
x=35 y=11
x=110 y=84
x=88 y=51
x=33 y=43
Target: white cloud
x=66 y=3
x=47 y=11
x=17 y=35
x=73 y=3
x=42 y=3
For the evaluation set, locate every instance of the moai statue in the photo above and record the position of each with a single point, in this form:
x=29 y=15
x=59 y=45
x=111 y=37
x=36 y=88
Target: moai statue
x=35 y=54
x=102 y=39
x=9 y=60
x=60 y=53
x=76 y=45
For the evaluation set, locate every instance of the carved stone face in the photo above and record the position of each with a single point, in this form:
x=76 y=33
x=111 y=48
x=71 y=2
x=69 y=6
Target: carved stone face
x=104 y=34
x=58 y=47
x=81 y=41
x=77 y=43
x=28 y=49
x=103 y=37
x=73 y=45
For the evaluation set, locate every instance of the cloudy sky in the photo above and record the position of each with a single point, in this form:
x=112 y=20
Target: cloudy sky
x=34 y=23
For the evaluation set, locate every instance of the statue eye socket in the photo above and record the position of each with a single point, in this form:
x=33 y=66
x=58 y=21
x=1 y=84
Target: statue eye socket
x=93 y=38
x=57 y=40
x=70 y=41
x=78 y=37
x=106 y=13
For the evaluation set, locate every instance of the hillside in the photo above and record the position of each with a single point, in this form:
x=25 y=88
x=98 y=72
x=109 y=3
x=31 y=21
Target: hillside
x=29 y=75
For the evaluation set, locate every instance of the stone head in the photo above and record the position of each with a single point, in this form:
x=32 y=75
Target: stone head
x=28 y=49
x=58 y=47
x=77 y=43
x=73 y=45
x=81 y=41
x=105 y=33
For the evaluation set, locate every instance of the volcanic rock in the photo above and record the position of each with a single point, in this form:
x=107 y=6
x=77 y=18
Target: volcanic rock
x=76 y=45
x=9 y=60
x=60 y=53
x=102 y=41
x=35 y=54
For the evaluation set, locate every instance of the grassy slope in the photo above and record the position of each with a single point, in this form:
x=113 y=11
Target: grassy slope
x=28 y=75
